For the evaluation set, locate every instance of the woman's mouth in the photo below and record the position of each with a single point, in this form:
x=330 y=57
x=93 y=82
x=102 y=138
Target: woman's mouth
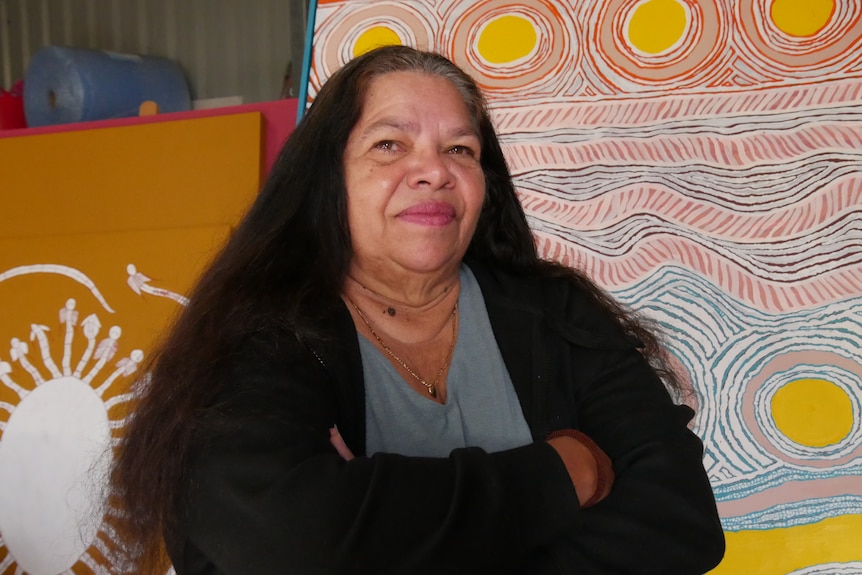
x=429 y=214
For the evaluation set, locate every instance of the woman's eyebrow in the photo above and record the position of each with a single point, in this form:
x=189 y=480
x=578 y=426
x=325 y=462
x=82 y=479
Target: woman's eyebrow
x=408 y=126
x=463 y=131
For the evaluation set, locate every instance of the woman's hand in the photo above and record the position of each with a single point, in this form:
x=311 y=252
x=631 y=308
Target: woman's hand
x=338 y=443
x=590 y=469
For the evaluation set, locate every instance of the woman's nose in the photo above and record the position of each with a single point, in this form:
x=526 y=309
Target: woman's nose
x=430 y=169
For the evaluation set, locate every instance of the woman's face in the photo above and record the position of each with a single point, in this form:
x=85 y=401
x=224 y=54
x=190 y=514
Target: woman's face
x=414 y=183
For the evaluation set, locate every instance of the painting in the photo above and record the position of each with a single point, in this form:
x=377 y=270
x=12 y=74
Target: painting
x=103 y=229
x=702 y=160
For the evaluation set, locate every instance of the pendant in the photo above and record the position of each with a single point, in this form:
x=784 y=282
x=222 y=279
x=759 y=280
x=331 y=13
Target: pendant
x=432 y=391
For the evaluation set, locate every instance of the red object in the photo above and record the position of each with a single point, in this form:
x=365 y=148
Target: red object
x=12 y=108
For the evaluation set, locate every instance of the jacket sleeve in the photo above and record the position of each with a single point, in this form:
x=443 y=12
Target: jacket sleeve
x=268 y=494
x=660 y=516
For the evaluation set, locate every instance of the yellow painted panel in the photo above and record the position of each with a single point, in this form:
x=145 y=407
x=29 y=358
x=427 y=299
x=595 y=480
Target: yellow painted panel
x=93 y=269
x=79 y=208
x=785 y=550
x=56 y=268
x=158 y=175
x=102 y=234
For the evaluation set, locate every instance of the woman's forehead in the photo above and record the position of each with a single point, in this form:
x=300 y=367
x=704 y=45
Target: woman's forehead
x=398 y=99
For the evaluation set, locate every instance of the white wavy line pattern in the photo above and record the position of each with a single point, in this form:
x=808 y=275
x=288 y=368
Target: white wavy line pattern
x=770 y=209
x=719 y=110
x=850 y=568
x=737 y=355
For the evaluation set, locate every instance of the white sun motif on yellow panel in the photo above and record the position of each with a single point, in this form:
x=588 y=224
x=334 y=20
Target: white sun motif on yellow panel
x=70 y=380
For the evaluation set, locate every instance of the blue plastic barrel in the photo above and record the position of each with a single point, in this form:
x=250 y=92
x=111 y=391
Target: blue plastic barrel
x=64 y=85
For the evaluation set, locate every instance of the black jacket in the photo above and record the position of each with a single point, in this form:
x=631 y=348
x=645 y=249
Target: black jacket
x=269 y=495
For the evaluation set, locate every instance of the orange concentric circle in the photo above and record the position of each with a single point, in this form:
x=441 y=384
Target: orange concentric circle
x=552 y=51
x=618 y=59
x=841 y=35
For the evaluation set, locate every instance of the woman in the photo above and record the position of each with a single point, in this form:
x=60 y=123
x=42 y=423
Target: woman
x=379 y=375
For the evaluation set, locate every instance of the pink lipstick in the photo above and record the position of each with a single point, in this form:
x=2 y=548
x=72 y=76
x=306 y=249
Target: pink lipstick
x=429 y=214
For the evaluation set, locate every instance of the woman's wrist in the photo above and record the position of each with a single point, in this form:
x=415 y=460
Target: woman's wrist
x=604 y=471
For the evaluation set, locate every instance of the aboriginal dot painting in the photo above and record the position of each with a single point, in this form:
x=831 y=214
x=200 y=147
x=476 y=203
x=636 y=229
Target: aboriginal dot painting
x=702 y=159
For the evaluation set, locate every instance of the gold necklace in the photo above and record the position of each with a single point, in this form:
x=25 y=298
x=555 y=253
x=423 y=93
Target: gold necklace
x=431 y=387
x=390 y=304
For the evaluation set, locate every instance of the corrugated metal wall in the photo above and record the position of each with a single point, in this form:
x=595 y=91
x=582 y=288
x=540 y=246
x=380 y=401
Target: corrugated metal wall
x=227 y=47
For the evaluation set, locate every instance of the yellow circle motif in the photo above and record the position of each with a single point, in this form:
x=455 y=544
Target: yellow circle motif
x=801 y=18
x=656 y=25
x=507 y=39
x=812 y=412
x=374 y=38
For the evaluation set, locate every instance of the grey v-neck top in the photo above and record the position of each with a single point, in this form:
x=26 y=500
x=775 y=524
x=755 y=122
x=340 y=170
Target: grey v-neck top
x=481 y=409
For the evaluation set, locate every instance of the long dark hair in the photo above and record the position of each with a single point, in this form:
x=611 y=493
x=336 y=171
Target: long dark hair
x=283 y=268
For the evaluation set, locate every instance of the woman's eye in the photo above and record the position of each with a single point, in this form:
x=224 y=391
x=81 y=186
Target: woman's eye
x=462 y=150
x=386 y=145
